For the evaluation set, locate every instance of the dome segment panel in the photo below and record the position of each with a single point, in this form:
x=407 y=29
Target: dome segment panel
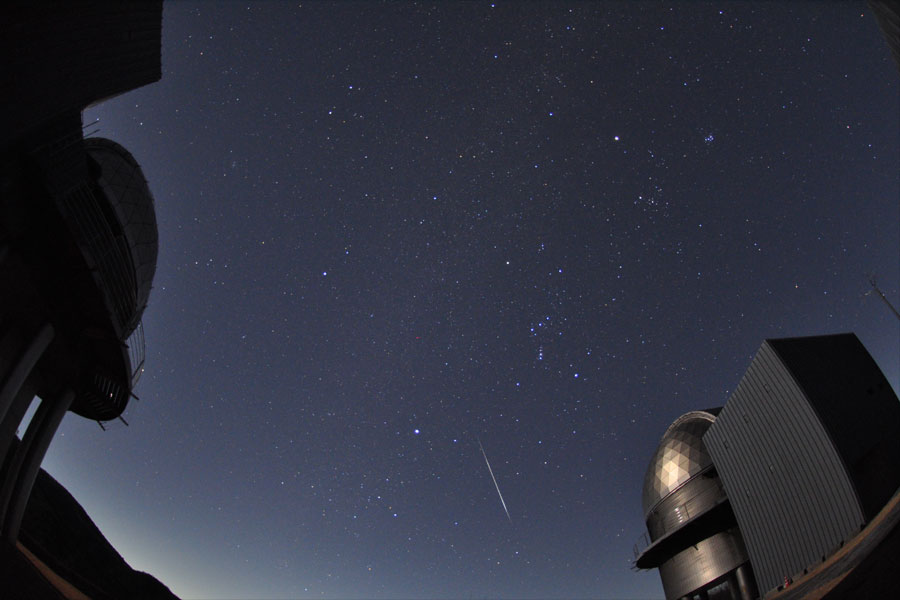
x=681 y=455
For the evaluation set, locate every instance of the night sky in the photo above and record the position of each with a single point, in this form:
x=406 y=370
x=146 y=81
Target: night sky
x=391 y=231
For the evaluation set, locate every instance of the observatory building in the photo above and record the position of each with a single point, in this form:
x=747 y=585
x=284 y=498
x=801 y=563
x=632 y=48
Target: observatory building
x=802 y=457
x=78 y=237
x=693 y=536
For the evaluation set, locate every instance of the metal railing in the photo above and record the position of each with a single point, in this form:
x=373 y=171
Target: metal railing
x=136 y=352
x=641 y=544
x=110 y=256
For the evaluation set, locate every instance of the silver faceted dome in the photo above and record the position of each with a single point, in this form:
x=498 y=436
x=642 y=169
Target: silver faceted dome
x=681 y=455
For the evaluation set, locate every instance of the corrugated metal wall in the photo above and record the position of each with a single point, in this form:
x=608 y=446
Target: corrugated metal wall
x=856 y=406
x=790 y=491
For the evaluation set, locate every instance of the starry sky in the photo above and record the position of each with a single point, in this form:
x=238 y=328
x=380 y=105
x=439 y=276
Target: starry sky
x=390 y=232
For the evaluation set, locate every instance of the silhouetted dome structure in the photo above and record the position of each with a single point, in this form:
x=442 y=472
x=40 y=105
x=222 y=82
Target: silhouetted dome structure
x=132 y=220
x=78 y=249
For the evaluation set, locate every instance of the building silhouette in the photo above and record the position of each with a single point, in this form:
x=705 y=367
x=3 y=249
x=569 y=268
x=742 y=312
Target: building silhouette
x=740 y=501
x=78 y=238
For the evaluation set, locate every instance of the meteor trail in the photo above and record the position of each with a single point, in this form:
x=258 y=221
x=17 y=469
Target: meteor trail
x=491 y=471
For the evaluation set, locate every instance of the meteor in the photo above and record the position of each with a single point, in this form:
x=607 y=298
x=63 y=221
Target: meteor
x=491 y=471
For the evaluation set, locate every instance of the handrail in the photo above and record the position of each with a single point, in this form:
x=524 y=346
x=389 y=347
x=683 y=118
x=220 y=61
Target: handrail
x=136 y=352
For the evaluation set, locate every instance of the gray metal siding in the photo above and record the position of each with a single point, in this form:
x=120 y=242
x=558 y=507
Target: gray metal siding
x=791 y=494
x=856 y=406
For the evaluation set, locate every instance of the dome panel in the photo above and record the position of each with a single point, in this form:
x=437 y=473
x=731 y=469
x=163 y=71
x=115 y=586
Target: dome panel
x=681 y=455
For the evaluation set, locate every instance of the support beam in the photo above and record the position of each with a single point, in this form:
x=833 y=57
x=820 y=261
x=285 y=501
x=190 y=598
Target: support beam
x=32 y=450
x=9 y=428
x=746 y=584
x=22 y=368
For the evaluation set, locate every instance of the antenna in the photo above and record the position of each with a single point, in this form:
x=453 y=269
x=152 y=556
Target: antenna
x=877 y=290
x=90 y=133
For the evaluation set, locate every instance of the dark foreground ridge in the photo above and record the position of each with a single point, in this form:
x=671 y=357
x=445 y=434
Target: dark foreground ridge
x=58 y=532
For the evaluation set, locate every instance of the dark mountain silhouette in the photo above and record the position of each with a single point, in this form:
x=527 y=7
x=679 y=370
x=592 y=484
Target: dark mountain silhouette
x=58 y=531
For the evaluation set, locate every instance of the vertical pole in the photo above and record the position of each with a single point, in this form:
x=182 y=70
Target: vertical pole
x=22 y=368
x=884 y=298
x=746 y=583
x=9 y=428
x=15 y=397
x=32 y=450
x=733 y=585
